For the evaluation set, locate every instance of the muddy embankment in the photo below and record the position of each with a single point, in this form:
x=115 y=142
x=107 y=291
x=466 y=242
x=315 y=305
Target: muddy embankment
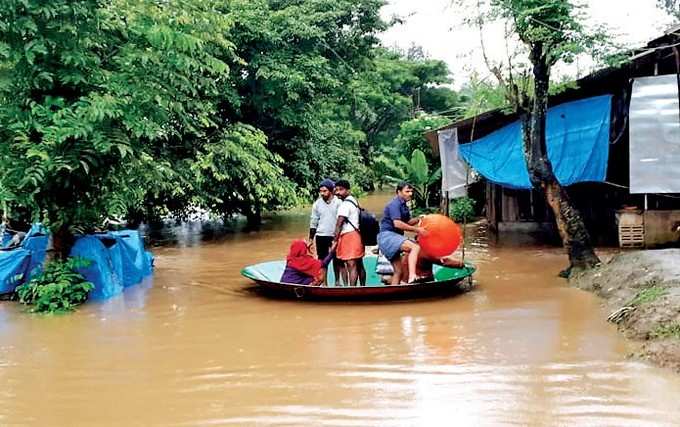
x=641 y=290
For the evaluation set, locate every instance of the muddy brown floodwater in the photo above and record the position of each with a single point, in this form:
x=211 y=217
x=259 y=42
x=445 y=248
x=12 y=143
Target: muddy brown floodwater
x=196 y=346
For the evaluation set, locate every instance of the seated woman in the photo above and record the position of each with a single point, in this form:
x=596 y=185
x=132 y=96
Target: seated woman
x=302 y=268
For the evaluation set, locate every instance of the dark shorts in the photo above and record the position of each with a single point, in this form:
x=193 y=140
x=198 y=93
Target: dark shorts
x=323 y=246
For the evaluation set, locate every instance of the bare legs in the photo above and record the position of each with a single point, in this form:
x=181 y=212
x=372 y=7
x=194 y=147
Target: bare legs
x=356 y=272
x=362 y=272
x=341 y=277
x=412 y=249
x=340 y=272
x=451 y=261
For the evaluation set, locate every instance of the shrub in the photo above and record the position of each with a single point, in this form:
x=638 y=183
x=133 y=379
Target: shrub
x=462 y=209
x=648 y=295
x=668 y=330
x=58 y=288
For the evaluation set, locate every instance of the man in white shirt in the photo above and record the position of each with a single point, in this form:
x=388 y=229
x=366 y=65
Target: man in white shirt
x=322 y=221
x=350 y=248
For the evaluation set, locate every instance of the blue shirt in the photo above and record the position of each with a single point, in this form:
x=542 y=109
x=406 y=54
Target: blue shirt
x=395 y=209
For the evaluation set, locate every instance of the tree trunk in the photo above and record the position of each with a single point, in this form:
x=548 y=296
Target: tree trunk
x=62 y=242
x=573 y=232
x=254 y=218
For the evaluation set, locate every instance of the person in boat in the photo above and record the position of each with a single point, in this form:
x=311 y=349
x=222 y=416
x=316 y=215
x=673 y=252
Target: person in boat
x=391 y=240
x=425 y=264
x=302 y=268
x=424 y=267
x=322 y=222
x=350 y=248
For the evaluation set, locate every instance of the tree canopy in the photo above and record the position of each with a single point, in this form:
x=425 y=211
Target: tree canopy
x=146 y=108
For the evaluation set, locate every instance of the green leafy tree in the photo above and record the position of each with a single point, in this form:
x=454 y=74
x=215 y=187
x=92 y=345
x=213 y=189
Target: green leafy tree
x=390 y=92
x=550 y=31
x=478 y=95
x=298 y=58
x=240 y=175
x=412 y=136
x=105 y=104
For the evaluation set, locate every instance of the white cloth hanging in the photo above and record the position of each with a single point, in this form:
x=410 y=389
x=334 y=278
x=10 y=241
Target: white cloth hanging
x=454 y=169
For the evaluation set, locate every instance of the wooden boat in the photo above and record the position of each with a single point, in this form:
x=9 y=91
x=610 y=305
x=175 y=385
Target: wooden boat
x=446 y=280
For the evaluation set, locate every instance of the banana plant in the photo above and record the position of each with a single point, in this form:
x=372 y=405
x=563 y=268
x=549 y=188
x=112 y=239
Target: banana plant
x=414 y=171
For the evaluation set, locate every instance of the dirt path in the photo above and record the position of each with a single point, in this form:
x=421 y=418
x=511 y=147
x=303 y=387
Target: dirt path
x=641 y=289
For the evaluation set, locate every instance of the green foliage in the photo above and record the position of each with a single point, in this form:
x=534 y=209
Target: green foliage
x=91 y=89
x=105 y=106
x=299 y=59
x=414 y=171
x=668 y=330
x=648 y=295
x=412 y=136
x=389 y=92
x=554 y=25
x=462 y=209
x=141 y=108
x=240 y=174
x=671 y=6
x=58 y=288
x=411 y=143
x=478 y=95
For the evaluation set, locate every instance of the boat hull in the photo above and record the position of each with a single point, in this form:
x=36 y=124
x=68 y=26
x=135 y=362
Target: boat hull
x=447 y=281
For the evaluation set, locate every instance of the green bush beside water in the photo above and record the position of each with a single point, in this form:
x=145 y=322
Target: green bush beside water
x=462 y=209
x=58 y=288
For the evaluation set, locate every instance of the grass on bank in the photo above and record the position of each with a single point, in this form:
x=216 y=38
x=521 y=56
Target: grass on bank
x=668 y=330
x=648 y=295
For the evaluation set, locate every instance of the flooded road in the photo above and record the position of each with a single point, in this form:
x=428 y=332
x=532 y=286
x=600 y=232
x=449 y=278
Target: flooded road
x=197 y=346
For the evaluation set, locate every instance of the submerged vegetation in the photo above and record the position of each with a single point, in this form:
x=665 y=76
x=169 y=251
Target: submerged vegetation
x=58 y=288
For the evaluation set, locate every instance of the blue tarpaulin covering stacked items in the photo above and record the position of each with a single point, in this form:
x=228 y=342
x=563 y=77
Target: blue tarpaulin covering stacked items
x=577 y=141
x=19 y=264
x=13 y=267
x=118 y=260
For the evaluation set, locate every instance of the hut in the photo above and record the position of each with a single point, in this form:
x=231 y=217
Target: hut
x=636 y=202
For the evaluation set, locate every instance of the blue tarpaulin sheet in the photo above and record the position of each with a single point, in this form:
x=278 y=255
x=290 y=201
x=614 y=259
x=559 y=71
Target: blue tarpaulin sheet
x=101 y=272
x=5 y=239
x=577 y=140
x=119 y=261
x=136 y=263
x=13 y=267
